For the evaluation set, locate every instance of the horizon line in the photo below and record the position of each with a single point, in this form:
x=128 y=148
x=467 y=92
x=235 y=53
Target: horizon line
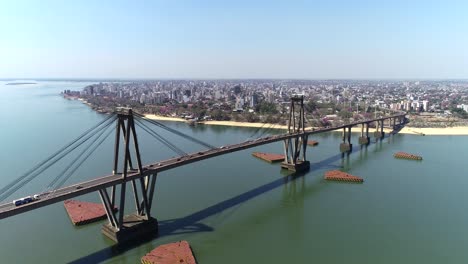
x=222 y=79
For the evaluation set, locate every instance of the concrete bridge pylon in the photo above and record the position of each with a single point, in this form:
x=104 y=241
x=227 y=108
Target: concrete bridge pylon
x=122 y=227
x=295 y=147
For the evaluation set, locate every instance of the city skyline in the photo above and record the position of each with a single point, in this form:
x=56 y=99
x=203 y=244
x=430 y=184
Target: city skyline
x=242 y=40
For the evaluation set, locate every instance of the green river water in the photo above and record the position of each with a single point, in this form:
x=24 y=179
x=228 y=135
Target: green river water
x=238 y=209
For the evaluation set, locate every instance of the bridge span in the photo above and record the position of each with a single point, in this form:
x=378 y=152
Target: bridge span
x=295 y=142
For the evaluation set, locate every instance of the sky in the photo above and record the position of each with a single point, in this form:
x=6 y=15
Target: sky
x=234 y=39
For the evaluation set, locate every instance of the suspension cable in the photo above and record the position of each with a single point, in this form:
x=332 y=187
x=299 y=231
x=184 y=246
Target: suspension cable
x=267 y=130
x=160 y=138
x=142 y=117
x=64 y=179
x=257 y=130
x=62 y=173
x=28 y=176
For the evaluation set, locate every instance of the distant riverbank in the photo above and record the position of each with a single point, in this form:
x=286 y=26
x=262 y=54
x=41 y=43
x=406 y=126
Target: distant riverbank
x=429 y=131
x=455 y=131
x=20 y=83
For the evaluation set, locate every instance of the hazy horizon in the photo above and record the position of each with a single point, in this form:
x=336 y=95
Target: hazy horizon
x=230 y=79
x=421 y=40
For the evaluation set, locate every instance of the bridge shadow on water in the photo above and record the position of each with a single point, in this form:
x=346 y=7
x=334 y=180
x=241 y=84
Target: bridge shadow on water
x=191 y=223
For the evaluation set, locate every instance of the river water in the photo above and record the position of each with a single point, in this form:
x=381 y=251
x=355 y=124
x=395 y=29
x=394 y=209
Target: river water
x=238 y=209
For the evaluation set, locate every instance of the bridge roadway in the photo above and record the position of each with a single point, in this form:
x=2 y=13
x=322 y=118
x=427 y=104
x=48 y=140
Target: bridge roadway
x=62 y=194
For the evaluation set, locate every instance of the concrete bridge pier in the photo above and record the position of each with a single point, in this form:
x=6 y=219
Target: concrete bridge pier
x=295 y=148
x=140 y=224
x=364 y=138
x=382 y=133
x=379 y=133
x=346 y=146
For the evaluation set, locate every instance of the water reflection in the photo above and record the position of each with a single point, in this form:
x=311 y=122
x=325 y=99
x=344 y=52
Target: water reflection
x=293 y=196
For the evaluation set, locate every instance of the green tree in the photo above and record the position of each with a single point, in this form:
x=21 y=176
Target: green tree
x=220 y=115
x=217 y=114
x=251 y=117
x=459 y=112
x=265 y=107
x=273 y=119
x=310 y=106
x=345 y=114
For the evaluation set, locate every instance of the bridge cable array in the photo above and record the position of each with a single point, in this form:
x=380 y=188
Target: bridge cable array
x=31 y=174
x=269 y=129
x=266 y=130
x=174 y=131
x=314 y=117
x=160 y=138
x=256 y=131
x=63 y=176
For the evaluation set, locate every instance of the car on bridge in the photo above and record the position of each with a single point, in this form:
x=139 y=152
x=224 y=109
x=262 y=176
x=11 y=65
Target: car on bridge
x=26 y=200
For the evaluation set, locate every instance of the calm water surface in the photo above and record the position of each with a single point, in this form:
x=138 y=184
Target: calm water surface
x=237 y=209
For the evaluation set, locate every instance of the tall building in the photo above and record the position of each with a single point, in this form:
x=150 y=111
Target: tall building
x=425 y=104
x=253 y=100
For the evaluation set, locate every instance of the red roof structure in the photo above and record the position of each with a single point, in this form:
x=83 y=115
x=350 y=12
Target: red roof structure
x=178 y=252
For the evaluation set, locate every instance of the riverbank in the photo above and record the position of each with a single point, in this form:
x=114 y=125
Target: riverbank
x=219 y=123
x=20 y=83
x=429 y=131
x=454 y=131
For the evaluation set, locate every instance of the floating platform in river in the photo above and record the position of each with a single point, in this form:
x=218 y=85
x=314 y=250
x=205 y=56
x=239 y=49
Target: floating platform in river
x=336 y=175
x=82 y=213
x=269 y=157
x=312 y=143
x=178 y=252
x=404 y=155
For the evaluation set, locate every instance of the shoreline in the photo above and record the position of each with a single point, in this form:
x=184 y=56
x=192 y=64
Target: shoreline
x=427 y=131
x=20 y=83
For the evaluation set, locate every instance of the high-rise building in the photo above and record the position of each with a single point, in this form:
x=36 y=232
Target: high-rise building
x=253 y=100
x=425 y=104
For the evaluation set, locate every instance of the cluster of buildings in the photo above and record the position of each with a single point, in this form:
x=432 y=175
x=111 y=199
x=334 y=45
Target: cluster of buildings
x=241 y=94
x=245 y=95
x=411 y=105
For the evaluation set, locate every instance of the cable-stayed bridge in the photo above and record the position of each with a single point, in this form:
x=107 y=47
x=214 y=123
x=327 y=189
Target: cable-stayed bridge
x=112 y=188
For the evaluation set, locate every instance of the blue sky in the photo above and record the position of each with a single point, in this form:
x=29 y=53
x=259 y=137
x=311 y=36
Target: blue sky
x=239 y=39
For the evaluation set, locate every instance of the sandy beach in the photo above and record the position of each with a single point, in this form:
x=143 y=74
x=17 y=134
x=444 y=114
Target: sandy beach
x=244 y=124
x=450 y=131
x=165 y=118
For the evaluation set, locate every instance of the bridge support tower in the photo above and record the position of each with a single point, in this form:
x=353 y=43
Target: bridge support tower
x=139 y=224
x=295 y=147
x=364 y=138
x=346 y=145
x=379 y=133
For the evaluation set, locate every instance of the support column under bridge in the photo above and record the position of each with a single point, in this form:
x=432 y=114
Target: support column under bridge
x=295 y=147
x=364 y=138
x=140 y=224
x=346 y=145
x=379 y=129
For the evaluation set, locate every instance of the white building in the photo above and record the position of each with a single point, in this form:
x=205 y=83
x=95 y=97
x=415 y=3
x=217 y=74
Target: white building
x=463 y=106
